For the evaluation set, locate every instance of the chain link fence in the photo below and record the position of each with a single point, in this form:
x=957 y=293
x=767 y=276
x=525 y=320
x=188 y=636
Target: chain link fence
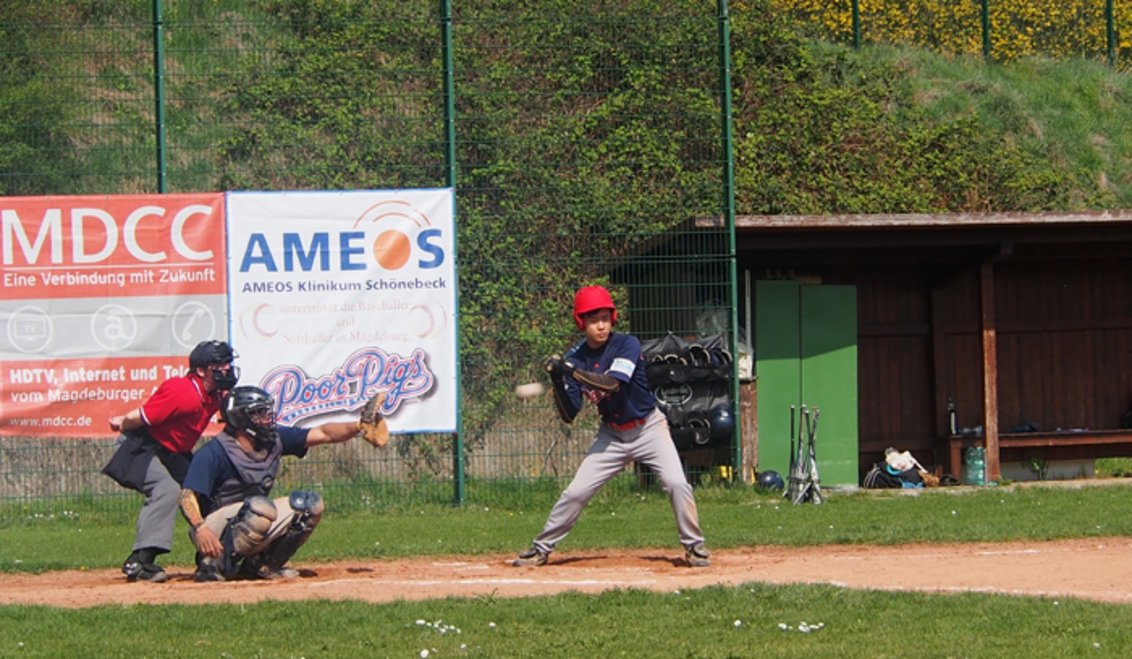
x=999 y=30
x=587 y=142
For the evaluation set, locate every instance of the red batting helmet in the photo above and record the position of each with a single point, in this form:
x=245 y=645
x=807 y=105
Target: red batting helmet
x=592 y=298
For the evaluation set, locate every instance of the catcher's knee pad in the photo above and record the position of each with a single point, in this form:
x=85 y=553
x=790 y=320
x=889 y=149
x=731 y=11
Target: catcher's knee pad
x=247 y=530
x=307 y=507
x=306 y=501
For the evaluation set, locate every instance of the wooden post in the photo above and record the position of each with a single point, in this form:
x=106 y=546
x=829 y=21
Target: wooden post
x=941 y=376
x=749 y=425
x=990 y=370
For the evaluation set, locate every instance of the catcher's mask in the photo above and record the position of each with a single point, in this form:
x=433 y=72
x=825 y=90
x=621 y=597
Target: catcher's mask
x=251 y=410
x=592 y=298
x=217 y=357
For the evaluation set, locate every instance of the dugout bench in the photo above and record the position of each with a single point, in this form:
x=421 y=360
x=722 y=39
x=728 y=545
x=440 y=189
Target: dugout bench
x=1062 y=442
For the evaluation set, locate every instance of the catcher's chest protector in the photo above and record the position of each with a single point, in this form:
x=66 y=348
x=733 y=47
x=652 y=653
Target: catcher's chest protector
x=254 y=477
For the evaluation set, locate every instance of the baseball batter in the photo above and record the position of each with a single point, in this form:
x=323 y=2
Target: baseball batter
x=606 y=368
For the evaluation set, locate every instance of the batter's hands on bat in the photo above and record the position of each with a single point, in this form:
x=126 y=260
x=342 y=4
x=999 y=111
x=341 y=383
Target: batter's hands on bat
x=556 y=366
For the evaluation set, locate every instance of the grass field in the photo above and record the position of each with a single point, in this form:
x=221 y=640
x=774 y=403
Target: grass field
x=619 y=517
x=749 y=620
x=745 y=621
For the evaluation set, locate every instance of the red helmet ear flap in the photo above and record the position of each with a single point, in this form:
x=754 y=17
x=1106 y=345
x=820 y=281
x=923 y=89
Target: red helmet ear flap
x=592 y=298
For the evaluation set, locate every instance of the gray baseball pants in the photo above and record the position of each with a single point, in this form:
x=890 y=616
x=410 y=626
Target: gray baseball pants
x=612 y=450
x=159 y=512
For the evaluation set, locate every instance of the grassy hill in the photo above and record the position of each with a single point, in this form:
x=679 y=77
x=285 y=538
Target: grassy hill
x=287 y=93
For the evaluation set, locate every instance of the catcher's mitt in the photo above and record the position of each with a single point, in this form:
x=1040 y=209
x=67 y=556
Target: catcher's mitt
x=371 y=424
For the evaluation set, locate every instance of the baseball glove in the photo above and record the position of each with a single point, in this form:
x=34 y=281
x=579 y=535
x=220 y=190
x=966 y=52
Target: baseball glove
x=599 y=381
x=371 y=424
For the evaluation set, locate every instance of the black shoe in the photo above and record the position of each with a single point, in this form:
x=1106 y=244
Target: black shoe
x=135 y=570
x=530 y=557
x=207 y=574
x=254 y=568
x=209 y=569
x=268 y=572
x=697 y=555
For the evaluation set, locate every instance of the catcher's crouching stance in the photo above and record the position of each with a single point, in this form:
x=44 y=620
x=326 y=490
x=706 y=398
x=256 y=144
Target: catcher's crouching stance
x=237 y=529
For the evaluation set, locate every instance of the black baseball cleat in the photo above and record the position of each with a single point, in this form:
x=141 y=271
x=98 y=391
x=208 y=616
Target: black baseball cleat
x=279 y=573
x=136 y=570
x=697 y=555
x=530 y=557
x=207 y=574
x=253 y=569
x=208 y=569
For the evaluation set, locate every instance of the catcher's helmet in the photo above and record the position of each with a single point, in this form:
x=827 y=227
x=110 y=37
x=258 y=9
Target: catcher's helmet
x=251 y=410
x=722 y=421
x=592 y=298
x=769 y=480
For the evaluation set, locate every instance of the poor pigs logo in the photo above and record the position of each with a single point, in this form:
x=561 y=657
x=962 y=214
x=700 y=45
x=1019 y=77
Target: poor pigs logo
x=364 y=373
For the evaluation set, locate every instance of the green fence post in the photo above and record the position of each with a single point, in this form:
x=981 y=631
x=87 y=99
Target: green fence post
x=856 y=24
x=458 y=485
x=159 y=92
x=1110 y=32
x=985 y=17
x=729 y=220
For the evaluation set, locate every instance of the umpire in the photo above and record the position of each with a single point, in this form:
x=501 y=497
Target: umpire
x=156 y=444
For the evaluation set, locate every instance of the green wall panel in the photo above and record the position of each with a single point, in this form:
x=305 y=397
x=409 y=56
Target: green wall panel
x=779 y=383
x=806 y=354
x=829 y=377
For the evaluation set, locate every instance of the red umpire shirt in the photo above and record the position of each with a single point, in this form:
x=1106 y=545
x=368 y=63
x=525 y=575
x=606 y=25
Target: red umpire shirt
x=179 y=411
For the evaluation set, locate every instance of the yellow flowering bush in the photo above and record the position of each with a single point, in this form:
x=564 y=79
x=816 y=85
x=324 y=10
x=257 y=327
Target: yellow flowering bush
x=1017 y=28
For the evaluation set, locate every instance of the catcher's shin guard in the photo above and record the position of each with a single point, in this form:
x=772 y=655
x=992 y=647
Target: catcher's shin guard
x=244 y=534
x=308 y=508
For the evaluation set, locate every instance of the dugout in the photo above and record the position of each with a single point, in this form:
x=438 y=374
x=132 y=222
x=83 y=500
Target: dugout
x=1021 y=321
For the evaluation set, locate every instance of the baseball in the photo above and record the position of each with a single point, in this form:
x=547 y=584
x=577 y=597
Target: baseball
x=529 y=390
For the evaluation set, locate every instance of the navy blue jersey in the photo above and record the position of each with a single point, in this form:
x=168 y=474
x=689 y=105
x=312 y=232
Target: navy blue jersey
x=620 y=358
x=211 y=465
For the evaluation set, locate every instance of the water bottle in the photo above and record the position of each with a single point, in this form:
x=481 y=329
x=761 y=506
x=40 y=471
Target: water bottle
x=975 y=464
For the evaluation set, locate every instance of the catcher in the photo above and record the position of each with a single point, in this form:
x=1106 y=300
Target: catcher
x=607 y=369
x=237 y=529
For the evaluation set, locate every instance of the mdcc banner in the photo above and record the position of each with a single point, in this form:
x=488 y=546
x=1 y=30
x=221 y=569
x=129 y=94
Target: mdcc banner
x=104 y=297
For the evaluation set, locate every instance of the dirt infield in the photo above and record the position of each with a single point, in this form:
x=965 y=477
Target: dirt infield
x=1097 y=569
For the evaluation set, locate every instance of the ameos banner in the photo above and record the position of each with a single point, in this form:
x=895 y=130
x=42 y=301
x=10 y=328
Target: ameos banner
x=337 y=295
